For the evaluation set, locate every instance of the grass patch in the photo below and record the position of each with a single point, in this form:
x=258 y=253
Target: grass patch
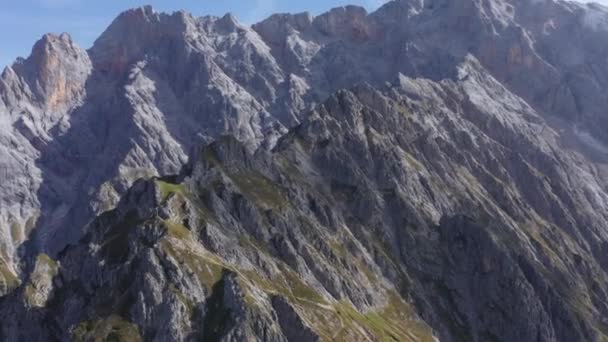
x=16 y=232
x=289 y=286
x=333 y=322
x=189 y=304
x=8 y=280
x=264 y=284
x=367 y=271
x=298 y=290
x=414 y=162
x=167 y=189
x=394 y=323
x=338 y=248
x=113 y=328
x=207 y=270
x=46 y=260
x=342 y=322
x=259 y=189
x=44 y=272
x=177 y=230
x=249 y=242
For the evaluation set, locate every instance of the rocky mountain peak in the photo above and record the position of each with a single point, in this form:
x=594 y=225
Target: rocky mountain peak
x=61 y=68
x=349 y=22
x=278 y=24
x=135 y=16
x=229 y=23
x=50 y=49
x=53 y=75
x=50 y=41
x=135 y=32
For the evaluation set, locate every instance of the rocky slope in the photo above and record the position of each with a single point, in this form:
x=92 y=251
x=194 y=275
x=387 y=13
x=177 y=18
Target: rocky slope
x=443 y=176
x=412 y=212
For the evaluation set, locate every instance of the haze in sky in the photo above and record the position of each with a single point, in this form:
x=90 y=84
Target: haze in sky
x=23 y=22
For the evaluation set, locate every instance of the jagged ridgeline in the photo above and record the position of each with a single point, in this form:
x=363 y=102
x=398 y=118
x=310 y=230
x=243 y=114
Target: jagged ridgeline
x=435 y=170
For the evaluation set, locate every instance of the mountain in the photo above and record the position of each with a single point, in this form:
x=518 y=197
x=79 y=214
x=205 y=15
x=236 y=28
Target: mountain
x=433 y=170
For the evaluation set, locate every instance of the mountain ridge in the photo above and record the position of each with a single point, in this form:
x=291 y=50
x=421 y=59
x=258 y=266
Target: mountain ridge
x=268 y=207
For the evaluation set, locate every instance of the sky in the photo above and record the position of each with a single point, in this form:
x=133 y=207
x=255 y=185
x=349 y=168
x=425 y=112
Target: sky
x=23 y=22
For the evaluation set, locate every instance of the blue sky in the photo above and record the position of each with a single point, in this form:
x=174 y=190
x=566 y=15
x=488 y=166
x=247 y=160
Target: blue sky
x=23 y=22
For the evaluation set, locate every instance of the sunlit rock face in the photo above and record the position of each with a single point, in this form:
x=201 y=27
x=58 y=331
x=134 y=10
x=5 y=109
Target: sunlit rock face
x=433 y=170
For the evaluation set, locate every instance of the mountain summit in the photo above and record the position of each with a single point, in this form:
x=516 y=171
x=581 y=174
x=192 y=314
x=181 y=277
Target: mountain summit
x=434 y=170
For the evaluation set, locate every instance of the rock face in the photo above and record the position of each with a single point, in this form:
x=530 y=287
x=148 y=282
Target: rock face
x=433 y=170
x=415 y=211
